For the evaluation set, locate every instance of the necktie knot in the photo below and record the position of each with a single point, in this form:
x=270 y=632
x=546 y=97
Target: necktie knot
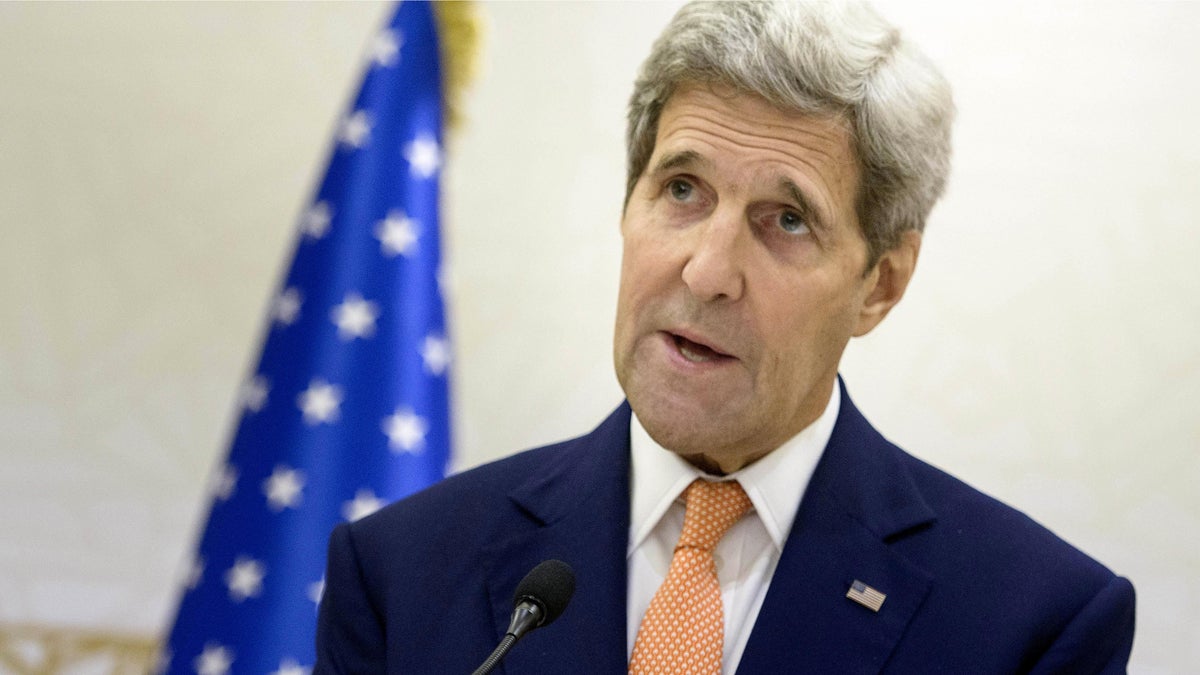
x=710 y=510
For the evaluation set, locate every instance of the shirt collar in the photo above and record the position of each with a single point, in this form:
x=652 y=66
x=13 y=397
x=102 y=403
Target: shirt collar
x=775 y=483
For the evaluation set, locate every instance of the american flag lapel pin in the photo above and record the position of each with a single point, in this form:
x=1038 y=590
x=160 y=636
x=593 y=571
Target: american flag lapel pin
x=866 y=596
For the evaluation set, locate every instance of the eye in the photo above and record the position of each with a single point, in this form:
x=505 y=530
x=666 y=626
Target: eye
x=792 y=222
x=680 y=190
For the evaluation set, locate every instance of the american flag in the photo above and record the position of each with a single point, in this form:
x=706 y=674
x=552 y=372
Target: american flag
x=348 y=407
x=866 y=596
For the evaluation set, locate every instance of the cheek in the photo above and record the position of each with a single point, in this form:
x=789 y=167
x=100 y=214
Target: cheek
x=630 y=282
x=644 y=268
x=804 y=328
x=632 y=292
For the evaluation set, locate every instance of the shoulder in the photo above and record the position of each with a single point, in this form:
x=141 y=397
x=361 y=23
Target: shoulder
x=468 y=510
x=923 y=511
x=433 y=542
x=1003 y=592
x=1002 y=580
x=991 y=533
x=456 y=508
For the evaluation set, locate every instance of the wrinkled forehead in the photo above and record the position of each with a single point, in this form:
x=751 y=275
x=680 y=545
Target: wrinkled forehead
x=721 y=113
x=745 y=140
x=754 y=121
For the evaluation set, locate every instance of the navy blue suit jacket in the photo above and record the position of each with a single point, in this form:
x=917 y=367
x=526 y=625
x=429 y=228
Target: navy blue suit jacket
x=973 y=586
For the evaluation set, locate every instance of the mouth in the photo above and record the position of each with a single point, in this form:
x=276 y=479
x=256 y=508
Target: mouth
x=697 y=352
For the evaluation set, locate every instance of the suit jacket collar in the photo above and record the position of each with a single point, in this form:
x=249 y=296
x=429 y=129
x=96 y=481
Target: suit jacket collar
x=861 y=499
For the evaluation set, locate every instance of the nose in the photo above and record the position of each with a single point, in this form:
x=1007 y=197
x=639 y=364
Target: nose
x=714 y=270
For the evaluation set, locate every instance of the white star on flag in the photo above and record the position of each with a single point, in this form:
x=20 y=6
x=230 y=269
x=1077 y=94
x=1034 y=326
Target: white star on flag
x=385 y=47
x=286 y=307
x=283 y=488
x=320 y=402
x=291 y=667
x=355 y=317
x=223 y=482
x=364 y=504
x=355 y=129
x=316 y=591
x=214 y=660
x=315 y=222
x=436 y=353
x=424 y=156
x=245 y=578
x=405 y=430
x=252 y=395
x=397 y=234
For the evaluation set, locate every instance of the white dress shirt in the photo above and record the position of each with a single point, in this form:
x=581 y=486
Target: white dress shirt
x=747 y=555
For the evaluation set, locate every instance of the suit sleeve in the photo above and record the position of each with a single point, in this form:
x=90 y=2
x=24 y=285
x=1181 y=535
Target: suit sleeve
x=350 y=636
x=1098 y=639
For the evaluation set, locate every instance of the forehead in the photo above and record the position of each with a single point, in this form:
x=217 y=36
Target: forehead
x=752 y=115
x=751 y=140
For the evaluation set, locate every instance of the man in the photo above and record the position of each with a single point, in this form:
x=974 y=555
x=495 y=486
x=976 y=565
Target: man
x=782 y=162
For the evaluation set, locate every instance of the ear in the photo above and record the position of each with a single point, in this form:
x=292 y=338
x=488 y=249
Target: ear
x=884 y=285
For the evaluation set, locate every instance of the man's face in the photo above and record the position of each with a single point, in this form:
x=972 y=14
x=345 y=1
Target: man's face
x=742 y=276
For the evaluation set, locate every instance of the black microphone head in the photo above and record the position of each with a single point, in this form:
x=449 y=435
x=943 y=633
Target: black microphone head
x=550 y=585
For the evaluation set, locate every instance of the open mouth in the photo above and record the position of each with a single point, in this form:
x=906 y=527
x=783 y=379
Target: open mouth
x=696 y=352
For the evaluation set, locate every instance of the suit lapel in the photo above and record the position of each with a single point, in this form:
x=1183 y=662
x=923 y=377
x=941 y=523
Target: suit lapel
x=576 y=510
x=859 y=500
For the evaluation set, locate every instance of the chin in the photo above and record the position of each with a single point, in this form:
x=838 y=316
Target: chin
x=679 y=416
x=681 y=427
x=702 y=441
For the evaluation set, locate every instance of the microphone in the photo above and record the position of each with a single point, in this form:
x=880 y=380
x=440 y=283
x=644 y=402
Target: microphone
x=540 y=598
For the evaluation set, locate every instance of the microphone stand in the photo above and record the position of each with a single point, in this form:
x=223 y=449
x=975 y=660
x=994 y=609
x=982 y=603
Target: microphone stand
x=526 y=616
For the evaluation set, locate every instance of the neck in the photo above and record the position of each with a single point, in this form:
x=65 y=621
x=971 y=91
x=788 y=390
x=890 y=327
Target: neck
x=724 y=466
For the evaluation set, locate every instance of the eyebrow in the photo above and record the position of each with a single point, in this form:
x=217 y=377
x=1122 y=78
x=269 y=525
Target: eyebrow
x=801 y=200
x=681 y=159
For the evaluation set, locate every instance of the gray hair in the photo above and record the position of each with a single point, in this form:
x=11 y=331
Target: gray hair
x=822 y=58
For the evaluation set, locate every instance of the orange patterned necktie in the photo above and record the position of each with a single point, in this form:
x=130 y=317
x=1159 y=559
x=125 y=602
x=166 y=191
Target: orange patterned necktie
x=683 y=632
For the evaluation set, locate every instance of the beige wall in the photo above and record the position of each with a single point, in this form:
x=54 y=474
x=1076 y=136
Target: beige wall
x=154 y=157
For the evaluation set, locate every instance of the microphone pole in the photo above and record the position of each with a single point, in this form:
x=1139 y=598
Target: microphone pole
x=540 y=598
